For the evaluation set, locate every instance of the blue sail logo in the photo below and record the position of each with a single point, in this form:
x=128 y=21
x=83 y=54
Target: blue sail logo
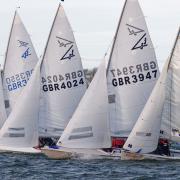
x=26 y=53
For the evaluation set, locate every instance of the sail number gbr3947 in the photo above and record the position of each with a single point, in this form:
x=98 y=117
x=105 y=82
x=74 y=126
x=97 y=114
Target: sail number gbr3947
x=134 y=74
x=60 y=82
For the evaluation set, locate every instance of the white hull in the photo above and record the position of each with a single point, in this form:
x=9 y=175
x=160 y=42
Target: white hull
x=56 y=153
x=175 y=155
x=19 y=150
x=67 y=153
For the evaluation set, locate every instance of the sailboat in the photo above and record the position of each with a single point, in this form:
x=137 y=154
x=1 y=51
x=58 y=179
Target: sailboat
x=52 y=93
x=159 y=118
x=118 y=92
x=62 y=78
x=20 y=60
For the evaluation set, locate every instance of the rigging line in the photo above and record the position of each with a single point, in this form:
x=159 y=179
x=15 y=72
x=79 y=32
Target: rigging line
x=8 y=44
x=108 y=48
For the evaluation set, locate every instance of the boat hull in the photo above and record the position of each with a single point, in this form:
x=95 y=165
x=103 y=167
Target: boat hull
x=67 y=153
x=175 y=155
x=56 y=153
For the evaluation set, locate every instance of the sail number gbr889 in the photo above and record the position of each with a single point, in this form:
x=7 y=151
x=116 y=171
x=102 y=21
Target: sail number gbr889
x=66 y=81
x=134 y=74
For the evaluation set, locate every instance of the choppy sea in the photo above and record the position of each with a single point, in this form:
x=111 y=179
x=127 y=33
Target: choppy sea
x=18 y=166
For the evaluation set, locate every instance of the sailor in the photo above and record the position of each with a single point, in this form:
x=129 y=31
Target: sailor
x=162 y=148
x=46 y=141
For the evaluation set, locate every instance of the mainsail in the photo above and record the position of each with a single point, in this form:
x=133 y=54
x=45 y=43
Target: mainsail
x=20 y=60
x=145 y=134
x=89 y=126
x=170 y=127
x=20 y=130
x=132 y=70
x=62 y=78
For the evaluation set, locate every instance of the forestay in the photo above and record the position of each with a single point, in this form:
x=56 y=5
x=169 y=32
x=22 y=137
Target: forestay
x=3 y=115
x=89 y=126
x=20 y=60
x=170 y=120
x=62 y=78
x=20 y=130
x=132 y=70
x=145 y=134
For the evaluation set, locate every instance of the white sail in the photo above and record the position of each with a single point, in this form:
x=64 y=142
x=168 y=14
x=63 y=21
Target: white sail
x=62 y=78
x=3 y=115
x=145 y=134
x=20 y=130
x=89 y=126
x=170 y=127
x=19 y=62
x=132 y=70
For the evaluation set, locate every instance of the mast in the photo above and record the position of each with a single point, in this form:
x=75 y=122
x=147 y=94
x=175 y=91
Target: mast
x=8 y=43
x=110 y=57
x=50 y=34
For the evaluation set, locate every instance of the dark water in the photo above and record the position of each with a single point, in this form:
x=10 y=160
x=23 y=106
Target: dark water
x=16 y=166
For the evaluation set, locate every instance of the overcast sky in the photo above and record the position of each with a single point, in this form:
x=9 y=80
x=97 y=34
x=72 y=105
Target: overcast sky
x=94 y=23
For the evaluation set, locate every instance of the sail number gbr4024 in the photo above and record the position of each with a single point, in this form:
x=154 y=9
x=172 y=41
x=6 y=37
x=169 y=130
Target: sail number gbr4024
x=60 y=82
x=134 y=74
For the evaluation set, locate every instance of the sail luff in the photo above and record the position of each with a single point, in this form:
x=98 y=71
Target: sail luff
x=116 y=34
x=8 y=43
x=50 y=34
